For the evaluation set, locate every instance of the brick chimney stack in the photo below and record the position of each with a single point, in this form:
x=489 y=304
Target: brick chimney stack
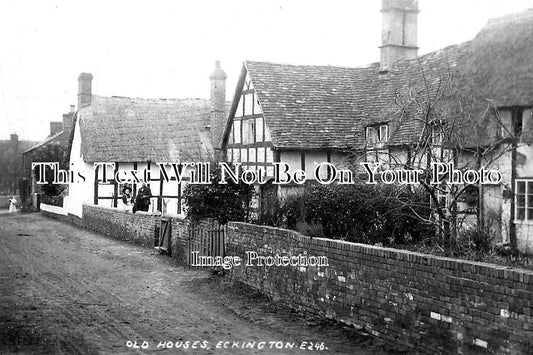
x=218 y=100
x=398 y=32
x=84 y=89
x=68 y=118
x=55 y=127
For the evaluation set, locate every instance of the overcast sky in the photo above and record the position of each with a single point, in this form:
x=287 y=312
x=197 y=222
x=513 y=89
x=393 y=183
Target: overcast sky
x=168 y=48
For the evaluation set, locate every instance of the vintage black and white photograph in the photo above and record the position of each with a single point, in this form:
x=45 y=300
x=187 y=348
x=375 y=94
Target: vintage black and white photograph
x=266 y=177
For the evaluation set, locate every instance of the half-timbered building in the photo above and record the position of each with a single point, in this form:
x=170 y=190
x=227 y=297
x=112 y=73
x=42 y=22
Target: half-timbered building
x=304 y=115
x=274 y=119
x=134 y=136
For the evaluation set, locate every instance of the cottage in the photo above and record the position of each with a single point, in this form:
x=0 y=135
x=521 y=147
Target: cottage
x=134 y=134
x=60 y=134
x=304 y=115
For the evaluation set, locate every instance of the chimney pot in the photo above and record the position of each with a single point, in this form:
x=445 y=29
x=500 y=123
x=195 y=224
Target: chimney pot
x=72 y=108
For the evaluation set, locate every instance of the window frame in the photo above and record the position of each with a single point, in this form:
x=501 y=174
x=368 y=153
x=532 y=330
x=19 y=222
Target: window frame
x=528 y=204
x=377 y=130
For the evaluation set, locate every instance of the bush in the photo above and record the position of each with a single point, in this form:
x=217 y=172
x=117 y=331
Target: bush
x=54 y=200
x=358 y=213
x=52 y=194
x=473 y=243
x=228 y=202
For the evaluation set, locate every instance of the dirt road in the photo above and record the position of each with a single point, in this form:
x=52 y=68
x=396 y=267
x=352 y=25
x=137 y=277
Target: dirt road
x=64 y=290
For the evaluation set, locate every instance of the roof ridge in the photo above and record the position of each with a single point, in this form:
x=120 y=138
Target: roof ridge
x=306 y=65
x=371 y=65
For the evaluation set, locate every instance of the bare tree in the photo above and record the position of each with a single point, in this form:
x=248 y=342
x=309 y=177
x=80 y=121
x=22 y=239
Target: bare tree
x=451 y=121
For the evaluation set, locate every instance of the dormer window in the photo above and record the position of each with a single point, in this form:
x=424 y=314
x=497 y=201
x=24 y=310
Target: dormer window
x=377 y=134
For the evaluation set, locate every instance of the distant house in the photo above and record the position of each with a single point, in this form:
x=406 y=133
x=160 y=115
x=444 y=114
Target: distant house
x=11 y=163
x=305 y=115
x=60 y=134
x=137 y=134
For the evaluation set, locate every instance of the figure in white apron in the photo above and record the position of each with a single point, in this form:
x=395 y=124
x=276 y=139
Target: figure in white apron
x=13 y=205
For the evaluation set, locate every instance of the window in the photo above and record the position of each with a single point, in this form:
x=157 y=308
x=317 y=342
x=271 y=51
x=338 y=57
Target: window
x=514 y=122
x=383 y=133
x=524 y=200
x=377 y=134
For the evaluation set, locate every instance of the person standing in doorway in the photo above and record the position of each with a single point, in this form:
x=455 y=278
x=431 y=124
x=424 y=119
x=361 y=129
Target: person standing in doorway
x=127 y=198
x=142 y=200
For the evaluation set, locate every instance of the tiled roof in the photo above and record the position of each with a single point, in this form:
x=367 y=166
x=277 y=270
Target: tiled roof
x=140 y=130
x=318 y=107
x=310 y=106
x=328 y=107
x=56 y=137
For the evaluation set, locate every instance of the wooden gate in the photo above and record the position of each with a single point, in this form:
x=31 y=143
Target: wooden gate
x=162 y=235
x=205 y=240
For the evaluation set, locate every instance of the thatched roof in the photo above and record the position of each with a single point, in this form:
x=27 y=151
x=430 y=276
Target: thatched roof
x=140 y=130
x=500 y=58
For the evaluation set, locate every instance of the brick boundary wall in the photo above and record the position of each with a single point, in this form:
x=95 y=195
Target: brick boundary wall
x=134 y=228
x=420 y=302
x=140 y=229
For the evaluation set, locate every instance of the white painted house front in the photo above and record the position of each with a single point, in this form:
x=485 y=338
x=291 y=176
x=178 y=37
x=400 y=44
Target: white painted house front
x=121 y=134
